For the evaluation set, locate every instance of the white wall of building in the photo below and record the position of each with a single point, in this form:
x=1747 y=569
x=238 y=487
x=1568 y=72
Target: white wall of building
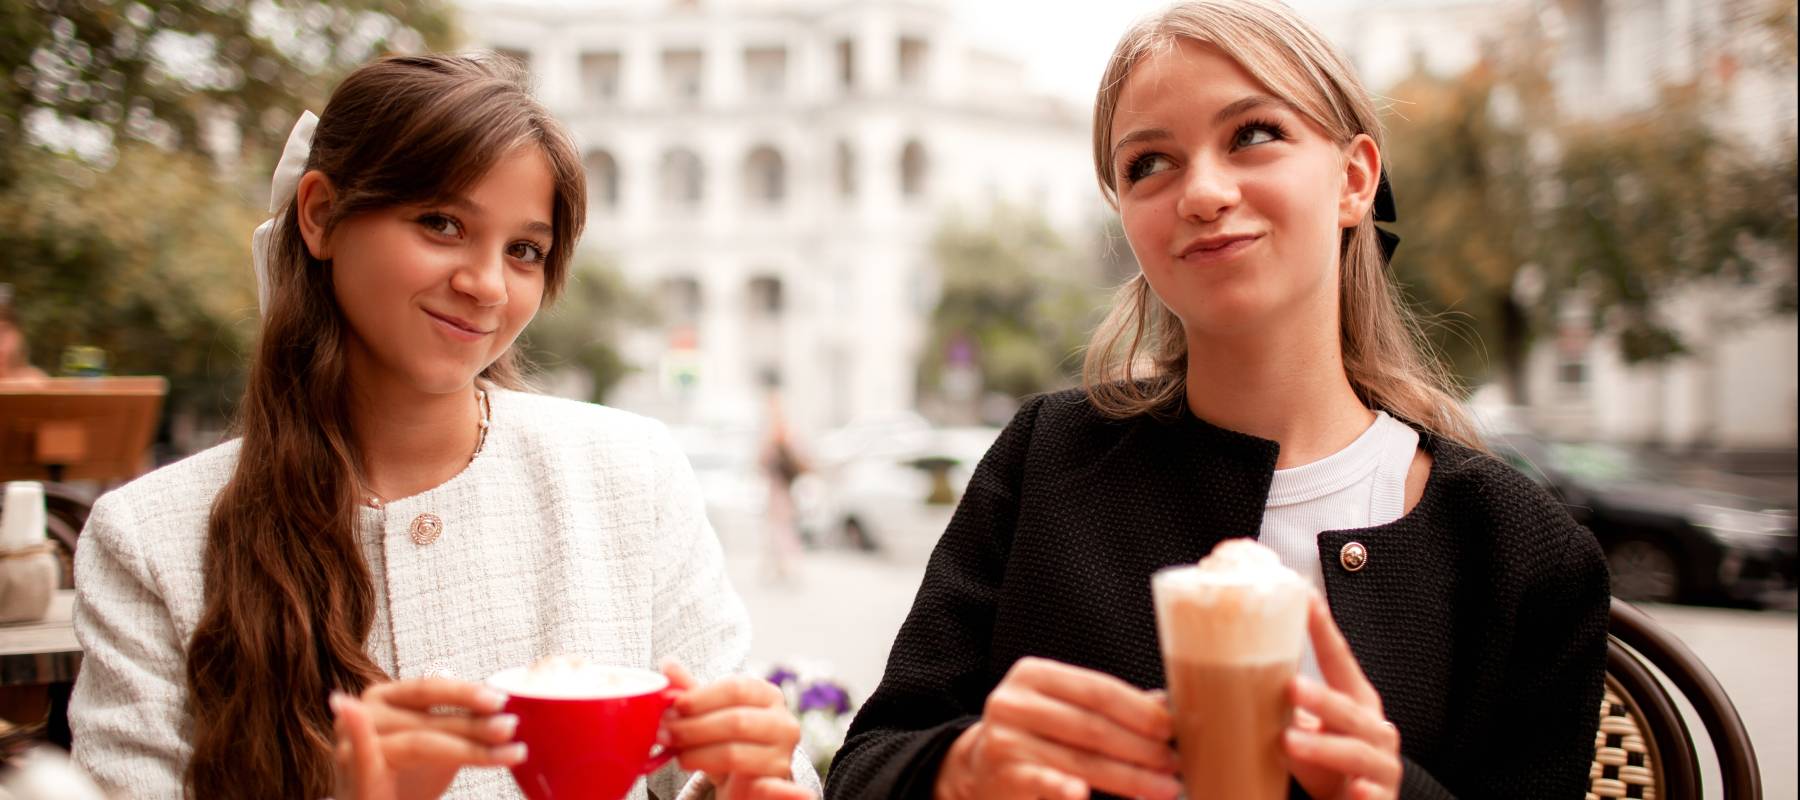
x=855 y=269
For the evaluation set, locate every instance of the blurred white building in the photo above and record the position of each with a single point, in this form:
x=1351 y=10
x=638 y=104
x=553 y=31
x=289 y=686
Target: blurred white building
x=1387 y=40
x=1736 y=393
x=772 y=171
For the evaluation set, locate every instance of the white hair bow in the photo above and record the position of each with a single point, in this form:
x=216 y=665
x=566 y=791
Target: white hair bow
x=281 y=192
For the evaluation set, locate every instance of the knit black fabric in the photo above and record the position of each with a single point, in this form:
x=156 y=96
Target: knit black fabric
x=1480 y=616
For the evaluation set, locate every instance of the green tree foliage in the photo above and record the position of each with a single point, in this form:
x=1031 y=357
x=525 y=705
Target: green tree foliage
x=146 y=259
x=125 y=215
x=1463 y=182
x=1627 y=208
x=156 y=70
x=1653 y=200
x=580 y=330
x=1017 y=298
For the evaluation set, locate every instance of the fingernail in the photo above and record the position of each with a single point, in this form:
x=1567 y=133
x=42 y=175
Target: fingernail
x=1074 y=789
x=510 y=754
x=336 y=701
x=1298 y=739
x=503 y=725
x=492 y=699
x=663 y=738
x=1306 y=720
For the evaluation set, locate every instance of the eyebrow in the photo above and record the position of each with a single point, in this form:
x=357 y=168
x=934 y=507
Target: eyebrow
x=465 y=204
x=1232 y=109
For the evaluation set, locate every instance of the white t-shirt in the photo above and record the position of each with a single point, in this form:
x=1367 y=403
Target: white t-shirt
x=1360 y=486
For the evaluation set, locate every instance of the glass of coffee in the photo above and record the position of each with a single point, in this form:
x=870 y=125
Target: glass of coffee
x=1232 y=630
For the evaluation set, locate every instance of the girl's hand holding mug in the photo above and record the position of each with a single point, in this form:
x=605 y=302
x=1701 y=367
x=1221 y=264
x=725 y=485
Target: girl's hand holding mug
x=1341 y=746
x=1053 y=730
x=391 y=746
x=738 y=731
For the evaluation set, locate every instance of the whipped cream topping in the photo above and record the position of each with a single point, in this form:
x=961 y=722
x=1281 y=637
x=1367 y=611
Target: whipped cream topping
x=1240 y=604
x=1242 y=563
x=575 y=677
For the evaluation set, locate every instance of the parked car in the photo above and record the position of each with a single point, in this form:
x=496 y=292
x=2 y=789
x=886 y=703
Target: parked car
x=1665 y=540
x=897 y=495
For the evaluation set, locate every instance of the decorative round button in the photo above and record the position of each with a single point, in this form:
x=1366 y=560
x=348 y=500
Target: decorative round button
x=426 y=528
x=1354 y=556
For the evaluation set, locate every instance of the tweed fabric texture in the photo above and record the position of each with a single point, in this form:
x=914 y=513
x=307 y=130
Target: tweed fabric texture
x=1480 y=616
x=578 y=529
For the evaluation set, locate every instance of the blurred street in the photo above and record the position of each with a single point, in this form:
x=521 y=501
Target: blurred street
x=845 y=608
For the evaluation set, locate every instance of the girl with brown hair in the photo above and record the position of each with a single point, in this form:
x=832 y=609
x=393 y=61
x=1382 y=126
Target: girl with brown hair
x=1259 y=377
x=398 y=516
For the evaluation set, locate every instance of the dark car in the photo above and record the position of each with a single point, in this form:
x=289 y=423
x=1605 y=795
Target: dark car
x=1665 y=539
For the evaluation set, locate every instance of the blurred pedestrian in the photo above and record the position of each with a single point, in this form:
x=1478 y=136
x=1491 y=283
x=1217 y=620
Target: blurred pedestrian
x=15 y=355
x=781 y=465
x=1258 y=377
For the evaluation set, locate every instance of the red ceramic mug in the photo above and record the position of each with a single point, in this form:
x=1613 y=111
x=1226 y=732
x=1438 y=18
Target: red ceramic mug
x=589 y=739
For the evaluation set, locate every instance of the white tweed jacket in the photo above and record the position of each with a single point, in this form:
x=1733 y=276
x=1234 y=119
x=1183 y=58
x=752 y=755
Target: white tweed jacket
x=578 y=529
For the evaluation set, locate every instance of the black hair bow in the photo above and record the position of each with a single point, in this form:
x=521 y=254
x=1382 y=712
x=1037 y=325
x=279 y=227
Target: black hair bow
x=1384 y=212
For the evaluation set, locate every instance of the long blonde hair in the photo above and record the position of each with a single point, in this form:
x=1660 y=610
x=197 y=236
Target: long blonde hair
x=1136 y=362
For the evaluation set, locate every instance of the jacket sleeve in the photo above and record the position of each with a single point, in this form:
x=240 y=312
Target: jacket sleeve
x=1560 y=668
x=697 y=617
x=1543 y=745
x=938 y=673
x=127 y=715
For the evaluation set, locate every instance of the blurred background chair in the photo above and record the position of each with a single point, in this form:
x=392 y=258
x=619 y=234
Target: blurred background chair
x=1644 y=748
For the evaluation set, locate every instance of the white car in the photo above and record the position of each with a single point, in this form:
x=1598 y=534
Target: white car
x=895 y=495
x=724 y=462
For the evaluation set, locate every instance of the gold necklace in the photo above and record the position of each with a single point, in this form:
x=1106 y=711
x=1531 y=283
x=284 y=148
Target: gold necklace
x=483 y=419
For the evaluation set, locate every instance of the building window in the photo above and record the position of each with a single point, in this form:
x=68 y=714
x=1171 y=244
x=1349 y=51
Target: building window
x=1573 y=336
x=600 y=76
x=765 y=297
x=913 y=169
x=912 y=62
x=763 y=327
x=603 y=179
x=680 y=298
x=1571 y=374
x=765 y=71
x=846 y=170
x=765 y=176
x=683 y=179
x=681 y=74
x=846 y=64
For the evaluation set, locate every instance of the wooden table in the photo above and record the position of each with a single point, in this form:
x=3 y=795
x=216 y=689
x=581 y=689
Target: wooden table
x=39 y=660
x=44 y=651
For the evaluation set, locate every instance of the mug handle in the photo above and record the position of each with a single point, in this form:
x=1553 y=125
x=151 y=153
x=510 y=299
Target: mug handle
x=661 y=754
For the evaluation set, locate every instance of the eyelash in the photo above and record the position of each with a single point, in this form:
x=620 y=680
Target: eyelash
x=1274 y=129
x=435 y=223
x=1269 y=126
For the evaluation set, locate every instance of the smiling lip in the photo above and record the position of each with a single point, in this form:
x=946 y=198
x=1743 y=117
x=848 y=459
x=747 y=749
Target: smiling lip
x=1214 y=249
x=457 y=328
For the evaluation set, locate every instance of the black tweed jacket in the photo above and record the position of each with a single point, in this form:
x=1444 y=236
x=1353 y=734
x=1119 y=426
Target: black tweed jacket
x=1480 y=616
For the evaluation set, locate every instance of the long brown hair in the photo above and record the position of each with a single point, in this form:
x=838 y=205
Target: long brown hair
x=289 y=600
x=1136 y=362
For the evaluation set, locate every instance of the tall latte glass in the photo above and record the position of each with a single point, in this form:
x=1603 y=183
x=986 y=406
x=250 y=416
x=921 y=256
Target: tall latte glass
x=1232 y=630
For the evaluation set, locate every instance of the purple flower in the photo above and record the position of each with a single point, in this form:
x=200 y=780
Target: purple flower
x=782 y=676
x=824 y=696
